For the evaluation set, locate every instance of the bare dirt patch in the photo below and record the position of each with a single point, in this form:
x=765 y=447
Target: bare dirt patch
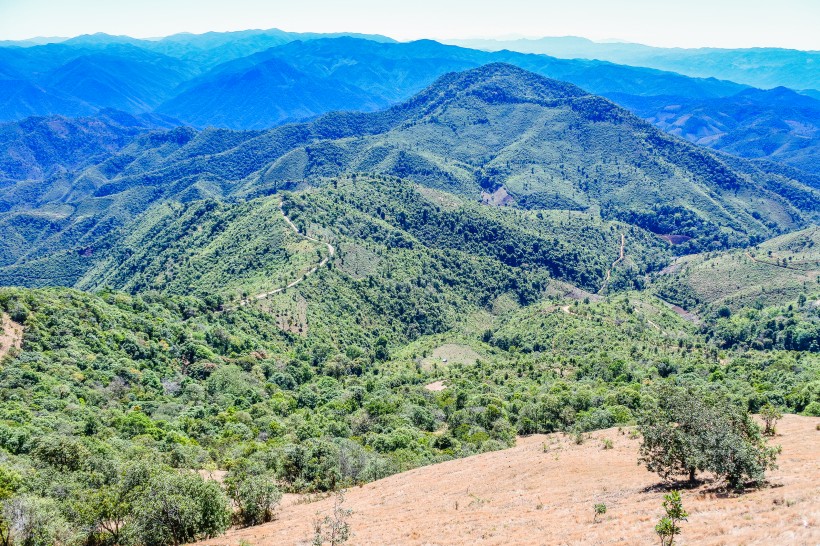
x=499 y=198
x=451 y=353
x=673 y=239
x=11 y=335
x=543 y=490
x=436 y=386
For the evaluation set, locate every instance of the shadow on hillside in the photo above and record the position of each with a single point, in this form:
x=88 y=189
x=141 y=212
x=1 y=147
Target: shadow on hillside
x=709 y=487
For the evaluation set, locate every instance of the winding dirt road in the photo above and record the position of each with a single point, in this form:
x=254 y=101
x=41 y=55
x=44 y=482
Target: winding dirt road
x=330 y=249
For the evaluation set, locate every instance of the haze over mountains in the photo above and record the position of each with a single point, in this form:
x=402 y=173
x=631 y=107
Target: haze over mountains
x=260 y=79
x=763 y=67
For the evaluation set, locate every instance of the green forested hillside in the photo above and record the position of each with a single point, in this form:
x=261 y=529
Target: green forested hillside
x=762 y=297
x=497 y=131
x=111 y=392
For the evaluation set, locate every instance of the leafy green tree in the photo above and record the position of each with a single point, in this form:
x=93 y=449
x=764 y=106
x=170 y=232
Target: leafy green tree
x=686 y=431
x=179 y=507
x=255 y=496
x=33 y=521
x=771 y=415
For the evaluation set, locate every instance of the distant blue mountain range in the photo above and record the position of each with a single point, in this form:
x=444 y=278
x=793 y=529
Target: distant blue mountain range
x=264 y=78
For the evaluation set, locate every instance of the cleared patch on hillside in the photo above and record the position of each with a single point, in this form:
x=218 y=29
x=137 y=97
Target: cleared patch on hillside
x=358 y=261
x=543 y=490
x=774 y=272
x=288 y=309
x=451 y=353
x=11 y=335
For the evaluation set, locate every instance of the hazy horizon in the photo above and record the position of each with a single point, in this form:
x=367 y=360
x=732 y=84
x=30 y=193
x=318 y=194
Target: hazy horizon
x=730 y=24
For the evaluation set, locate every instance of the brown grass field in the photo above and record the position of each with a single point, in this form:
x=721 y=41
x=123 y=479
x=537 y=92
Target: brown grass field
x=542 y=491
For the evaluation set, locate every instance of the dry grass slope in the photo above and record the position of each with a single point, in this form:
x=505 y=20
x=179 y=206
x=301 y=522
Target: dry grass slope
x=532 y=494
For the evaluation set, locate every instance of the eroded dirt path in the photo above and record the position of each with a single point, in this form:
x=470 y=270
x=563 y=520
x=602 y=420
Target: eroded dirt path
x=331 y=250
x=11 y=335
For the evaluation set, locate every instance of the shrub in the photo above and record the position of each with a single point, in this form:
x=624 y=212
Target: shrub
x=333 y=529
x=600 y=510
x=255 y=496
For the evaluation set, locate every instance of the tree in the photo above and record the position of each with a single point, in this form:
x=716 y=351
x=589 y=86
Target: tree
x=33 y=521
x=179 y=507
x=668 y=527
x=686 y=431
x=771 y=415
x=255 y=496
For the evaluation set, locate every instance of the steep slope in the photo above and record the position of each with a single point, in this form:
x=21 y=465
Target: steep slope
x=440 y=248
x=264 y=95
x=38 y=147
x=779 y=125
x=549 y=145
x=131 y=80
x=20 y=99
x=774 y=272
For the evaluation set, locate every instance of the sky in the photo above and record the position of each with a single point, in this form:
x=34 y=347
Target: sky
x=669 y=23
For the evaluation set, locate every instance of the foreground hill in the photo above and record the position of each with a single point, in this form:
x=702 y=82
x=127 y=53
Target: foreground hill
x=542 y=491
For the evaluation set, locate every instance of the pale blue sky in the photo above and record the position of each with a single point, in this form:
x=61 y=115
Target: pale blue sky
x=685 y=23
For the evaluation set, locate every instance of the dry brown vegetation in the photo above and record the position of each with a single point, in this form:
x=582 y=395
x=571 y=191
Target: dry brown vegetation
x=543 y=491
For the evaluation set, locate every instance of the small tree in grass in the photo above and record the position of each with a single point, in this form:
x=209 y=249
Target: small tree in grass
x=686 y=431
x=771 y=415
x=668 y=527
x=255 y=496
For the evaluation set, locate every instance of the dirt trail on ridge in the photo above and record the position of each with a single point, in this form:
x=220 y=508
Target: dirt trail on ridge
x=331 y=250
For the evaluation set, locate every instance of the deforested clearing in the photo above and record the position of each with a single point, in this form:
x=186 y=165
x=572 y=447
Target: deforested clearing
x=543 y=491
